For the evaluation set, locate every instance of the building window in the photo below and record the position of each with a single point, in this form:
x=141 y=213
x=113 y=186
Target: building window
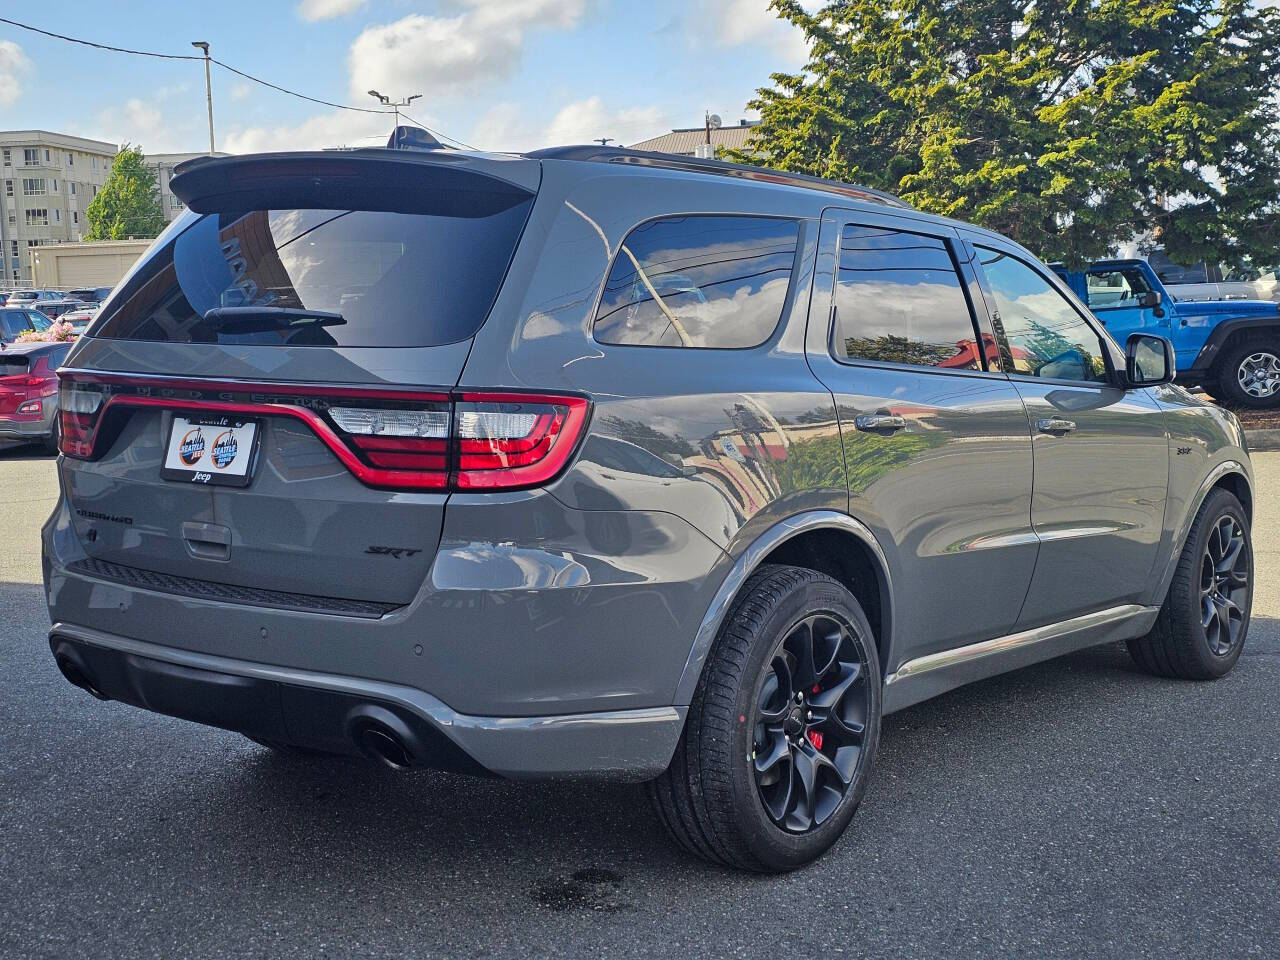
x=93 y=161
x=73 y=188
x=71 y=161
x=699 y=281
x=55 y=187
x=175 y=203
x=7 y=158
x=14 y=247
x=8 y=188
x=30 y=157
x=46 y=156
x=57 y=215
x=75 y=217
x=33 y=187
x=37 y=217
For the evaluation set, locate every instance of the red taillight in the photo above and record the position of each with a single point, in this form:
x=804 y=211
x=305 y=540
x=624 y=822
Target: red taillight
x=404 y=440
x=507 y=441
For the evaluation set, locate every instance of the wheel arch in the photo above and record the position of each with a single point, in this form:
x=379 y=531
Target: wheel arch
x=1229 y=475
x=1226 y=332
x=825 y=540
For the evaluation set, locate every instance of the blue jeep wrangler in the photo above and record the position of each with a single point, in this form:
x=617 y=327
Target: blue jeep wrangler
x=1230 y=348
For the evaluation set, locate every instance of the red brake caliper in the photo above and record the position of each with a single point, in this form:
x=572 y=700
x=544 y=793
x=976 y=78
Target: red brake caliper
x=815 y=736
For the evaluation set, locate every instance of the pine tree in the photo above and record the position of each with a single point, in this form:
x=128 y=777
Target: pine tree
x=1070 y=125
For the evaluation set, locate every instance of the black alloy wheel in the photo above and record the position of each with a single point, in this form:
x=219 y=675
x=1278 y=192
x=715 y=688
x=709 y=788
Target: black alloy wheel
x=810 y=722
x=1224 y=585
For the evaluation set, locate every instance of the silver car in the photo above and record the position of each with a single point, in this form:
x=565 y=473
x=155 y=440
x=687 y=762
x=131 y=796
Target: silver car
x=597 y=463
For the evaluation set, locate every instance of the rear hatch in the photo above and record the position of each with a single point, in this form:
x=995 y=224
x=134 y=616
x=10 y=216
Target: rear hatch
x=15 y=372
x=264 y=401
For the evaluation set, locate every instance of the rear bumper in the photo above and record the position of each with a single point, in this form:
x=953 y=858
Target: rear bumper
x=29 y=428
x=326 y=712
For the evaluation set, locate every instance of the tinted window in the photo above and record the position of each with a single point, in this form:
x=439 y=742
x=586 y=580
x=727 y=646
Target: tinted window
x=1170 y=272
x=37 y=320
x=899 y=300
x=369 y=279
x=1046 y=336
x=699 y=282
x=15 y=322
x=1115 y=288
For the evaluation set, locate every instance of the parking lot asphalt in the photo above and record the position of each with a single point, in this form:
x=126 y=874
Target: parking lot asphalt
x=1073 y=809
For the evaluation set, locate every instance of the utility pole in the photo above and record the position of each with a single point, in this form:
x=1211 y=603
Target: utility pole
x=603 y=141
x=395 y=105
x=708 y=123
x=208 y=88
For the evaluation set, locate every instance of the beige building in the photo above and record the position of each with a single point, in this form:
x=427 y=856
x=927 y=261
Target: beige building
x=48 y=180
x=687 y=141
x=100 y=263
x=163 y=164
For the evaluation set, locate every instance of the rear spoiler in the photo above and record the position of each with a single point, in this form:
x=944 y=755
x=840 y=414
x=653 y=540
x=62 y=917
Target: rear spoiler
x=437 y=183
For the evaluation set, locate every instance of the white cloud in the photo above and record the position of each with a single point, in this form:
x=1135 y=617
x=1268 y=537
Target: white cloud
x=505 y=126
x=241 y=91
x=14 y=64
x=335 y=129
x=737 y=22
x=314 y=10
x=441 y=57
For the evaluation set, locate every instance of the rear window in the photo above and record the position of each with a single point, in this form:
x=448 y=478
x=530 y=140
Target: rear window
x=310 y=277
x=12 y=365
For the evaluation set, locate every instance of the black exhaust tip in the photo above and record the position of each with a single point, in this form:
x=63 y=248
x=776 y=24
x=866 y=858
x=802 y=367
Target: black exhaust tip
x=77 y=677
x=378 y=742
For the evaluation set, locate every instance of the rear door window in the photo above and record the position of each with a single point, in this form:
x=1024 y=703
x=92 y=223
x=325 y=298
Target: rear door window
x=310 y=277
x=898 y=299
x=699 y=281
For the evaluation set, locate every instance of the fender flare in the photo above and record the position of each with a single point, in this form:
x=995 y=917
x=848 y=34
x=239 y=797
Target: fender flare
x=747 y=563
x=1220 y=470
x=1222 y=330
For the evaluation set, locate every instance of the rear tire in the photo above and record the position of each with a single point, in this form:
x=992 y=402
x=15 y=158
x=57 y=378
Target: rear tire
x=779 y=744
x=51 y=441
x=1205 y=616
x=1248 y=374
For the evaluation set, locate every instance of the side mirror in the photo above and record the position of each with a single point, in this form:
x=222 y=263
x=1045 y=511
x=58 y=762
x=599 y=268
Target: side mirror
x=1152 y=300
x=1148 y=361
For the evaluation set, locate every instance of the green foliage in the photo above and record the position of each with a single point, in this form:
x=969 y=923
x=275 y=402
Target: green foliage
x=1070 y=125
x=128 y=205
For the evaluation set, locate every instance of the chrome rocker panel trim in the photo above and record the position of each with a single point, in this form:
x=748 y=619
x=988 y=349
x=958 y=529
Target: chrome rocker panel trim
x=936 y=673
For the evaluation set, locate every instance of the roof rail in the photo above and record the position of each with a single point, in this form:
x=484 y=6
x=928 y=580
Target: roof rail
x=721 y=168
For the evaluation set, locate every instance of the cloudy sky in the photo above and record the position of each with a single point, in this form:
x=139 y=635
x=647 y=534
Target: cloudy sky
x=499 y=74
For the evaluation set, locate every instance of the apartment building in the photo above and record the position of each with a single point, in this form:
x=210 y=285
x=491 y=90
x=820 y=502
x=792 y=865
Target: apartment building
x=163 y=164
x=48 y=181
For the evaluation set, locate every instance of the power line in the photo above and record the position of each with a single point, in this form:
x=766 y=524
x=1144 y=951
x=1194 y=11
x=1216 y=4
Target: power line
x=186 y=56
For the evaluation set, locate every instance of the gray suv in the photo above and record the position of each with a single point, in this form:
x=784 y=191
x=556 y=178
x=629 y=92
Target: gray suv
x=589 y=462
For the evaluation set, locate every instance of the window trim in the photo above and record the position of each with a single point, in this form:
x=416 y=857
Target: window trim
x=950 y=244
x=803 y=223
x=1109 y=348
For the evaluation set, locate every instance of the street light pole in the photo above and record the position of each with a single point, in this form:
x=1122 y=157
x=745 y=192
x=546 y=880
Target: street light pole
x=208 y=89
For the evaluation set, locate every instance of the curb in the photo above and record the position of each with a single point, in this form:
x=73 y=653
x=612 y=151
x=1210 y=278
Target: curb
x=1260 y=440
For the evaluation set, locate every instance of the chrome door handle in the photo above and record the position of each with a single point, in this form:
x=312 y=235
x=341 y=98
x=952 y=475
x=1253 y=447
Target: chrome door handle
x=1055 y=426
x=880 y=422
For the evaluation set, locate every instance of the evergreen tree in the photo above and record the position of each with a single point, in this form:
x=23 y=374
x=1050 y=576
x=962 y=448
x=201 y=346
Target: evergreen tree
x=1070 y=125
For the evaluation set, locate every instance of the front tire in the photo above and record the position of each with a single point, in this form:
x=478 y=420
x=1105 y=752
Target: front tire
x=781 y=736
x=1248 y=374
x=1205 y=616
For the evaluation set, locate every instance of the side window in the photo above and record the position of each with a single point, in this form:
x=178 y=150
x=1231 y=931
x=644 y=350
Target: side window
x=1047 y=337
x=37 y=320
x=12 y=323
x=1109 y=289
x=700 y=281
x=900 y=300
